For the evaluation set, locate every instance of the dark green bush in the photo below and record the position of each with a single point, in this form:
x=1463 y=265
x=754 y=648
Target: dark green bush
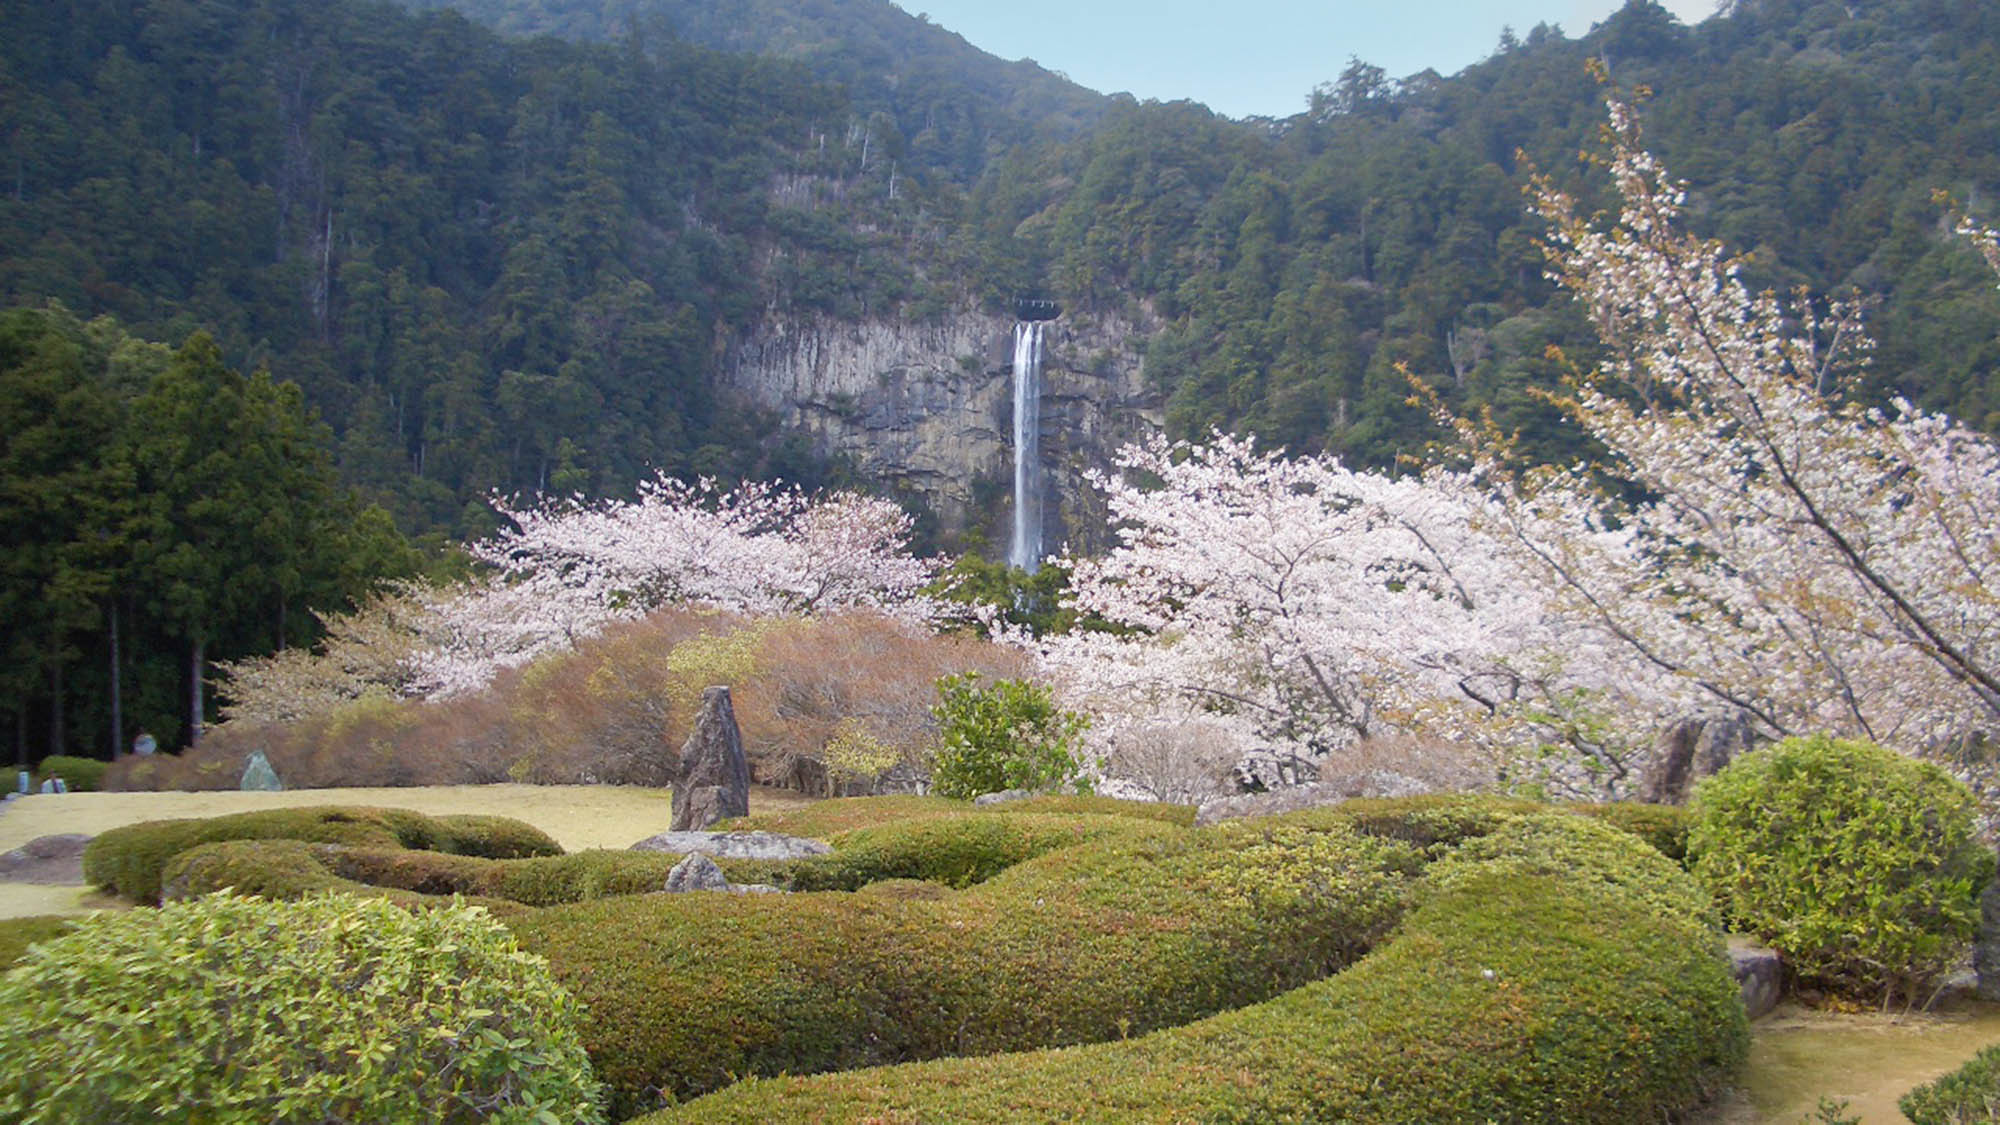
x=1506 y=996
x=1009 y=734
x=1663 y=826
x=130 y=860
x=1583 y=848
x=80 y=775
x=237 y=1010
x=1967 y=1095
x=956 y=851
x=17 y=934
x=1086 y=943
x=1860 y=866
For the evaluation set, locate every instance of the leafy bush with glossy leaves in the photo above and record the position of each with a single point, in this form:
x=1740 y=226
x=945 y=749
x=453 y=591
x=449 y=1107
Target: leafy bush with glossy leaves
x=237 y=1010
x=1007 y=735
x=1861 y=866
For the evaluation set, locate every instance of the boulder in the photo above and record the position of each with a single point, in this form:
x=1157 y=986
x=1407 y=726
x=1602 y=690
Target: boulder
x=696 y=873
x=734 y=845
x=1694 y=747
x=1757 y=975
x=699 y=873
x=1003 y=796
x=713 y=782
x=56 y=860
x=1986 y=947
x=258 y=776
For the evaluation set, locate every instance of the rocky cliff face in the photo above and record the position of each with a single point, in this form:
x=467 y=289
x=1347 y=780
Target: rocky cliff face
x=928 y=408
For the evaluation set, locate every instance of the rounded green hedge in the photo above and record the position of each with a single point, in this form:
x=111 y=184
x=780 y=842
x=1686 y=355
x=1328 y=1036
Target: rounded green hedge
x=237 y=1010
x=130 y=860
x=1860 y=866
x=1087 y=943
x=80 y=775
x=1513 y=993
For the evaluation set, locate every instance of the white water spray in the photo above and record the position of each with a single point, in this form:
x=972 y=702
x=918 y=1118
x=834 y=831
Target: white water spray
x=1026 y=550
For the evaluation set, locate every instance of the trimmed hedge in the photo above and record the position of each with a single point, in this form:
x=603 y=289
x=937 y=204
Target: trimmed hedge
x=826 y=819
x=238 y=1010
x=1088 y=943
x=80 y=775
x=1509 y=995
x=1967 y=1095
x=17 y=934
x=130 y=860
x=954 y=851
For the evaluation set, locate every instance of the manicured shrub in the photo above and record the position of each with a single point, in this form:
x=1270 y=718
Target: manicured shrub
x=238 y=1010
x=1967 y=1095
x=17 y=934
x=130 y=860
x=956 y=851
x=1507 y=996
x=1663 y=826
x=1148 y=929
x=1581 y=847
x=1009 y=735
x=80 y=775
x=1860 y=866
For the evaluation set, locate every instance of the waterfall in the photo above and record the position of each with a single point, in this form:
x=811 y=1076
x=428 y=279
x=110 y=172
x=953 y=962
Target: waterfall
x=1026 y=550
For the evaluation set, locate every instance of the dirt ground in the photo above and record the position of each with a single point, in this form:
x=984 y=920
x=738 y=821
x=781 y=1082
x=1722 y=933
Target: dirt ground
x=578 y=816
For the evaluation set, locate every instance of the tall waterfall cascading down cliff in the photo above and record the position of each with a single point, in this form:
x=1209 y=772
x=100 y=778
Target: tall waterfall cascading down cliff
x=1026 y=549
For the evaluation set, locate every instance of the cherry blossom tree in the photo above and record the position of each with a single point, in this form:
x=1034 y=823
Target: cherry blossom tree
x=1305 y=605
x=1815 y=562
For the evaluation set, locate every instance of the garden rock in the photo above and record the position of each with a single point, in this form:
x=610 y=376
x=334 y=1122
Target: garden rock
x=699 y=873
x=1986 y=948
x=1003 y=796
x=46 y=860
x=714 y=778
x=696 y=873
x=734 y=845
x=1694 y=747
x=258 y=776
x=1757 y=973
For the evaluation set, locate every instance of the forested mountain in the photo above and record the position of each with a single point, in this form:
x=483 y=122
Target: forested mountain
x=497 y=262
x=943 y=102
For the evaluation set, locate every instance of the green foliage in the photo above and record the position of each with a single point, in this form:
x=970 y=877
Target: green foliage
x=1087 y=943
x=1507 y=996
x=1861 y=866
x=853 y=754
x=1010 y=735
x=81 y=775
x=1032 y=601
x=238 y=1010
x=17 y=934
x=1562 y=843
x=1967 y=1095
x=1665 y=827
x=130 y=860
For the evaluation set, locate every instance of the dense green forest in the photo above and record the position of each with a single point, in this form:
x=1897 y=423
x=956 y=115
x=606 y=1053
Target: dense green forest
x=160 y=511
x=489 y=261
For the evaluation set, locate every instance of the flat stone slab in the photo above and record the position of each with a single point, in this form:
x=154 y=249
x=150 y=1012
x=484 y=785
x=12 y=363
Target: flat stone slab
x=735 y=845
x=1757 y=975
x=47 y=860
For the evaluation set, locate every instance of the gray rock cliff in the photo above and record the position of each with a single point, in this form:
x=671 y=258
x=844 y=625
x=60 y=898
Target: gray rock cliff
x=928 y=406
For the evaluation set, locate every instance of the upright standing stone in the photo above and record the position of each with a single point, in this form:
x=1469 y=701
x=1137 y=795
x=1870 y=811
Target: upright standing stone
x=258 y=774
x=714 y=779
x=1694 y=747
x=1986 y=948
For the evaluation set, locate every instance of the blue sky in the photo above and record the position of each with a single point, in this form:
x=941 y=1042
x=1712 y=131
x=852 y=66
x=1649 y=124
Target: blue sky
x=1246 y=57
